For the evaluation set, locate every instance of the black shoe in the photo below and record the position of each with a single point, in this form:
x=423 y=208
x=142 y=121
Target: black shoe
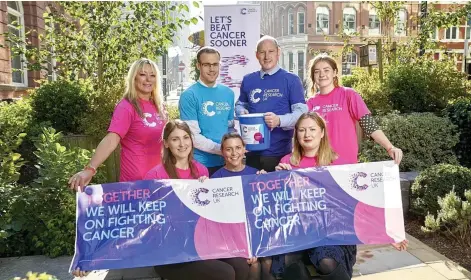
x=296 y=271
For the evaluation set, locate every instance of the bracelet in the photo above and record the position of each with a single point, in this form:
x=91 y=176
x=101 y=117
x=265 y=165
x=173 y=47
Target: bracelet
x=89 y=167
x=388 y=150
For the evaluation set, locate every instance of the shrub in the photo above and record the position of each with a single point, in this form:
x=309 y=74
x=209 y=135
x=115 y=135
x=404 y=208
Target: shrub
x=173 y=112
x=62 y=103
x=459 y=113
x=102 y=104
x=36 y=276
x=15 y=119
x=372 y=90
x=454 y=218
x=42 y=215
x=436 y=181
x=424 y=138
x=424 y=85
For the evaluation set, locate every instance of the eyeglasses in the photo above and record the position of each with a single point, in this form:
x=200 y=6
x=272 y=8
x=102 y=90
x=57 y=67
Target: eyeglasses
x=210 y=65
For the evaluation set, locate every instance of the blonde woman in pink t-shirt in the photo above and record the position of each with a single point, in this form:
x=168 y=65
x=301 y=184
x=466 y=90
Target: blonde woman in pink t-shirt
x=341 y=108
x=311 y=147
x=178 y=163
x=137 y=125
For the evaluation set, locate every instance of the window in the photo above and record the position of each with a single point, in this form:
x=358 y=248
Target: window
x=290 y=62
x=301 y=20
x=290 y=22
x=322 y=19
x=434 y=34
x=16 y=26
x=349 y=61
x=400 y=26
x=349 y=20
x=451 y=33
x=301 y=65
x=282 y=25
x=373 y=23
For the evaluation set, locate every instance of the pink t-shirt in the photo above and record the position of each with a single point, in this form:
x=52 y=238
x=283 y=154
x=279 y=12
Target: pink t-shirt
x=341 y=108
x=141 y=138
x=305 y=162
x=158 y=172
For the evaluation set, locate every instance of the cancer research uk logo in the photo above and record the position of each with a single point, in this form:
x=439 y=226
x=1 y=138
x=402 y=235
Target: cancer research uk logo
x=354 y=181
x=361 y=181
x=245 y=11
x=253 y=98
x=210 y=108
x=195 y=196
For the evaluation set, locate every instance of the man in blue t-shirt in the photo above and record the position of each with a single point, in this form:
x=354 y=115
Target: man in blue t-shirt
x=279 y=95
x=208 y=109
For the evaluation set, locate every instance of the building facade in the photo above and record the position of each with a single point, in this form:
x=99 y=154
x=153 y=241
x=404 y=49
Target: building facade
x=28 y=15
x=305 y=28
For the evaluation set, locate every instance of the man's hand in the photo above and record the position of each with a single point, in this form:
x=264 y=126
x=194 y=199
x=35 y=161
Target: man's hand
x=272 y=120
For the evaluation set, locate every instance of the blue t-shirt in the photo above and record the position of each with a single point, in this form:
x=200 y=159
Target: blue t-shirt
x=212 y=109
x=223 y=172
x=274 y=93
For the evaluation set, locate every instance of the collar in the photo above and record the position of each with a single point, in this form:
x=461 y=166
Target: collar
x=269 y=73
x=203 y=84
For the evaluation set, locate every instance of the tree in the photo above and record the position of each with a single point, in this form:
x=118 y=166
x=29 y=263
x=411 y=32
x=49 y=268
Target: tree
x=98 y=40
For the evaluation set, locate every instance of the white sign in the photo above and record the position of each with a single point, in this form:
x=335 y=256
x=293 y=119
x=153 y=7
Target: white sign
x=234 y=30
x=372 y=55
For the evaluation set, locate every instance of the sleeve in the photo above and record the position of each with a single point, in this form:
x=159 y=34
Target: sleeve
x=309 y=104
x=297 y=103
x=368 y=124
x=286 y=159
x=242 y=101
x=356 y=105
x=202 y=170
x=153 y=174
x=122 y=119
x=188 y=113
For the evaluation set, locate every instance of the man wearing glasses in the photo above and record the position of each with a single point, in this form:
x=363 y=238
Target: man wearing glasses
x=208 y=109
x=278 y=94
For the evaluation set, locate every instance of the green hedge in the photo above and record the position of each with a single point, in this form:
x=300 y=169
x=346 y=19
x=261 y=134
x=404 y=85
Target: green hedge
x=63 y=104
x=437 y=181
x=425 y=85
x=425 y=139
x=459 y=113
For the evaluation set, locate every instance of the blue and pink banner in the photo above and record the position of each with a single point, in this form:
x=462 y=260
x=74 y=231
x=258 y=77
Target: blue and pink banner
x=146 y=223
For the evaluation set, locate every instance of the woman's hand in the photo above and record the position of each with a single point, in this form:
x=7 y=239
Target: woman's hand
x=79 y=273
x=401 y=246
x=261 y=172
x=80 y=180
x=283 y=166
x=202 y=178
x=395 y=154
x=252 y=260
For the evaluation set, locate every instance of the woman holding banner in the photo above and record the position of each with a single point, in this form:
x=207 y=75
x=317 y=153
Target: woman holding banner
x=341 y=108
x=137 y=125
x=311 y=147
x=233 y=150
x=178 y=163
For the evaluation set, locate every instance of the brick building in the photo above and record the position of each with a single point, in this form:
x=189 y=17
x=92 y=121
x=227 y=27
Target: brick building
x=306 y=27
x=29 y=14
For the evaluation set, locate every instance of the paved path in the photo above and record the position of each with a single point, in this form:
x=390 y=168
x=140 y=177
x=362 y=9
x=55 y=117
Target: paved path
x=374 y=262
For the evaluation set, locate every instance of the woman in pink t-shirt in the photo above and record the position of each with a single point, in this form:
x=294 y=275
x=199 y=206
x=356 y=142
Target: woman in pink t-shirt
x=178 y=163
x=341 y=108
x=137 y=125
x=311 y=147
